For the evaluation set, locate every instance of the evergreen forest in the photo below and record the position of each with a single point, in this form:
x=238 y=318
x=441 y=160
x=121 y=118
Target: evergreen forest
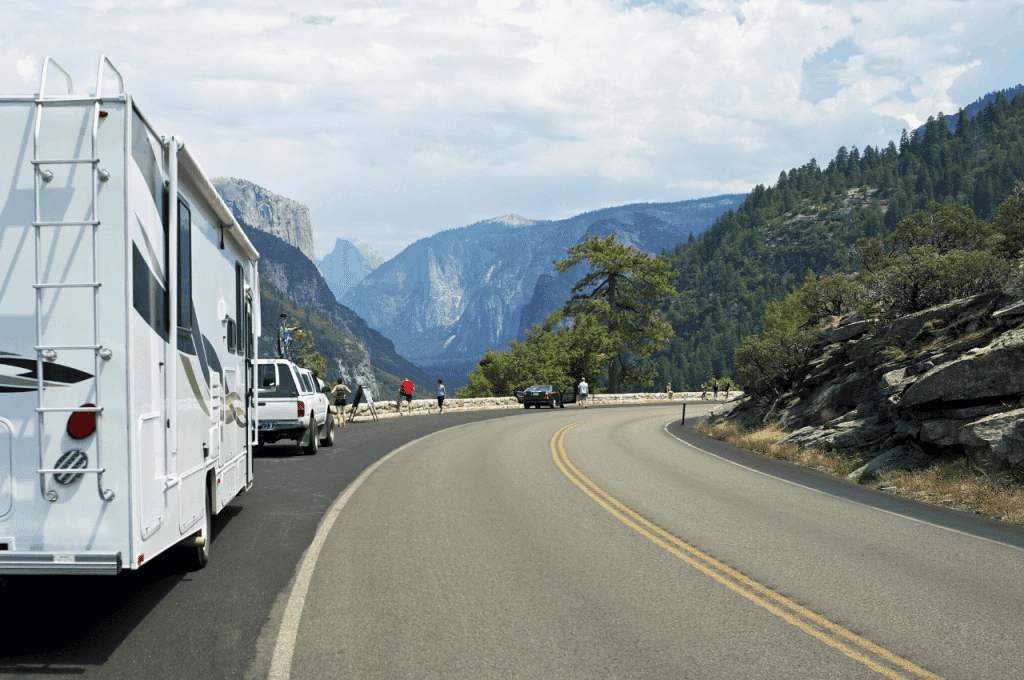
x=814 y=217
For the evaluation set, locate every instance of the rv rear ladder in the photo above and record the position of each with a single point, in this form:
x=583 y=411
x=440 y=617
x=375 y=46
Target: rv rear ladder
x=48 y=352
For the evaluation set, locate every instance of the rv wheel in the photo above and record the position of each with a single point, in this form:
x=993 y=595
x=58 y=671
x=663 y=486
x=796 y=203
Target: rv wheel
x=197 y=550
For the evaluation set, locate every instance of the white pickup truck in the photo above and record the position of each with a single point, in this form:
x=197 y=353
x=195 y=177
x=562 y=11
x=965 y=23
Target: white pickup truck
x=291 y=406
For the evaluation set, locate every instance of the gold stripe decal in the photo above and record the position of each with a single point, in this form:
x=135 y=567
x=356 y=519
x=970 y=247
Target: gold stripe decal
x=194 y=384
x=852 y=645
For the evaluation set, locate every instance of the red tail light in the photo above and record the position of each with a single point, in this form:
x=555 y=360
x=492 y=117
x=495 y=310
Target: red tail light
x=81 y=424
x=302 y=408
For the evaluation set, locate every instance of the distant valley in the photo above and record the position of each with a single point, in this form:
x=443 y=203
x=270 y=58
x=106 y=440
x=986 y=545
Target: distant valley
x=446 y=299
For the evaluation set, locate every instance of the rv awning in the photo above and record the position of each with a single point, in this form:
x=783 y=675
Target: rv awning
x=187 y=164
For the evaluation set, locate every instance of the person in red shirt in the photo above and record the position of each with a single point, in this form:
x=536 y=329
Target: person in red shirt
x=405 y=391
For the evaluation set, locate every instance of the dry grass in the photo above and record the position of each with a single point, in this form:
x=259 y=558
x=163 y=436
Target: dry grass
x=766 y=441
x=952 y=483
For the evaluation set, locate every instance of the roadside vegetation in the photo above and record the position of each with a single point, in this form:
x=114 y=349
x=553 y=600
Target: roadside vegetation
x=814 y=217
x=951 y=483
x=608 y=325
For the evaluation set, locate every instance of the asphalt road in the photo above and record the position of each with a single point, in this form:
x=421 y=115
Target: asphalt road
x=557 y=544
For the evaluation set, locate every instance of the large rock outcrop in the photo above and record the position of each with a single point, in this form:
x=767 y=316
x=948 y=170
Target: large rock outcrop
x=946 y=381
x=282 y=217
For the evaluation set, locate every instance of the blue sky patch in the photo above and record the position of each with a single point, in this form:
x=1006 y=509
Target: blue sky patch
x=821 y=72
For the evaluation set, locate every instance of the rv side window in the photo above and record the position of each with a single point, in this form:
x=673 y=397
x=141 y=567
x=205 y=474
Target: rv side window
x=239 y=293
x=232 y=338
x=247 y=334
x=184 y=266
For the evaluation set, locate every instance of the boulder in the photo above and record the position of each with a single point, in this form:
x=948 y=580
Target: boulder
x=941 y=431
x=995 y=371
x=848 y=332
x=899 y=458
x=905 y=328
x=996 y=441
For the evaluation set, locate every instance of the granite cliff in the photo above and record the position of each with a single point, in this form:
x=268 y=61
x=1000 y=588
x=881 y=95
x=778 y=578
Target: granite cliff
x=291 y=284
x=446 y=299
x=348 y=264
x=265 y=211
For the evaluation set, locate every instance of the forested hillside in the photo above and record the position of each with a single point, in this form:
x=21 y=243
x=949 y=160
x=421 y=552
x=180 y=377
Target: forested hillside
x=812 y=219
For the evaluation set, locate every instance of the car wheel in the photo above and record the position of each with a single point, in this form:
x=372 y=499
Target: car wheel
x=526 y=406
x=312 y=448
x=328 y=439
x=551 y=404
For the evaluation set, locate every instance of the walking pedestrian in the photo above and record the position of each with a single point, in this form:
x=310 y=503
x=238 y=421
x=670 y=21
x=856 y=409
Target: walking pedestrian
x=440 y=397
x=405 y=391
x=716 y=389
x=584 y=390
x=340 y=392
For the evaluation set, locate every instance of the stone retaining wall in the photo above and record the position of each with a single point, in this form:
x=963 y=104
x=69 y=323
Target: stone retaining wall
x=422 y=407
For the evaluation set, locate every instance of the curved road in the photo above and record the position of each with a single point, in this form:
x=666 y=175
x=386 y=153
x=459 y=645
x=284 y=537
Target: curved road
x=596 y=543
x=607 y=542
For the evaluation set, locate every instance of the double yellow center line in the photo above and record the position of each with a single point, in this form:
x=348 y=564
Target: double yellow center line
x=871 y=655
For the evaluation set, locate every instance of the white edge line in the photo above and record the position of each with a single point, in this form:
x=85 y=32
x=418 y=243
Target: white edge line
x=826 y=493
x=284 y=648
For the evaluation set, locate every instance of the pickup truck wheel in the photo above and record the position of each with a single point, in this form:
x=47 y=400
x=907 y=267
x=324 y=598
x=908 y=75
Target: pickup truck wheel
x=328 y=439
x=312 y=448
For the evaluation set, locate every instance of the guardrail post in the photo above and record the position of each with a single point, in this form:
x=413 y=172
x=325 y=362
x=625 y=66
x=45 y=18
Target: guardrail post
x=684 y=410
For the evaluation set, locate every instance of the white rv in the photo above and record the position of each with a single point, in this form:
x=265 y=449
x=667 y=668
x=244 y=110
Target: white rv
x=128 y=313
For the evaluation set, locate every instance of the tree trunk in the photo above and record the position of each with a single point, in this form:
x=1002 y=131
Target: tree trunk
x=613 y=367
x=613 y=376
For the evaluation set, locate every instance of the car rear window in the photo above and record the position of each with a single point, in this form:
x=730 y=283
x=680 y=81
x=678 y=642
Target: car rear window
x=280 y=381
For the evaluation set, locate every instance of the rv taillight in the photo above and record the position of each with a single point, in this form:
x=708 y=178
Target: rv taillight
x=103 y=114
x=81 y=424
x=302 y=408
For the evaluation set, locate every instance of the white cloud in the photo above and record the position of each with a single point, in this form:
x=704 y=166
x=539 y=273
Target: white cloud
x=406 y=117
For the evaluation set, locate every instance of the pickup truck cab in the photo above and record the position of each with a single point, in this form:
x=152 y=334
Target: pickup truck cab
x=291 y=406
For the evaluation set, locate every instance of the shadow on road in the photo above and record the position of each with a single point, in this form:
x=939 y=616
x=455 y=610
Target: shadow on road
x=66 y=624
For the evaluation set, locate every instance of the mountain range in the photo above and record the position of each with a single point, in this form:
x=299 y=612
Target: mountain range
x=447 y=299
x=292 y=284
x=348 y=264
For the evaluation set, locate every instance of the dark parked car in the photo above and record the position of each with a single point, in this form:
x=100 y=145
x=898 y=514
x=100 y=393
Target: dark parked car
x=545 y=395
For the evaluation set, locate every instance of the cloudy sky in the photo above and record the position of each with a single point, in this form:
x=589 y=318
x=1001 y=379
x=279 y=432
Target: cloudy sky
x=395 y=119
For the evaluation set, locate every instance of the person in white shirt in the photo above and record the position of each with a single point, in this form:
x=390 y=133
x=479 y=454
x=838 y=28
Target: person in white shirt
x=584 y=390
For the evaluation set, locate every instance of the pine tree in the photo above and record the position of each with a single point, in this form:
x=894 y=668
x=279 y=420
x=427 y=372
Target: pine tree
x=619 y=292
